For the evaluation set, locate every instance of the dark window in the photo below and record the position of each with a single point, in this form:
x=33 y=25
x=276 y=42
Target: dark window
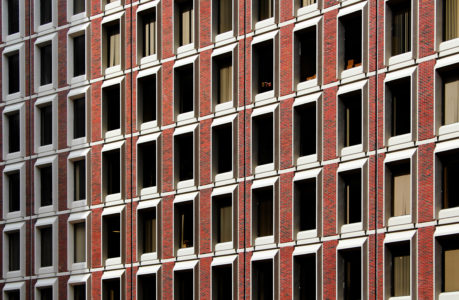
x=304 y=3
x=113 y=42
x=400 y=188
x=352 y=272
x=352 y=40
x=305 y=204
x=79 y=52
x=222 y=148
x=14 y=192
x=305 y=277
x=185 y=21
x=449 y=263
x=225 y=15
x=147 y=230
x=449 y=180
x=263 y=61
x=184 y=89
x=263 y=207
x=306 y=129
x=223 y=214
x=352 y=196
x=263 y=139
x=222 y=282
x=111 y=289
x=265 y=9
x=13 y=73
x=45 y=11
x=13 y=295
x=400 y=269
x=46 y=63
x=450 y=95
x=147 y=287
x=78 y=6
x=79 y=180
x=46 y=293
x=79 y=118
x=185 y=224
x=184 y=156
x=46 y=124
x=79 y=292
x=13 y=16
x=112 y=236
x=400 y=104
x=111 y=102
x=401 y=26
x=184 y=285
x=147 y=165
x=46 y=185
x=147 y=99
x=13 y=251
x=46 y=246
x=351 y=119
x=111 y=167
x=307 y=54
x=224 y=74
x=262 y=280
x=13 y=132
x=148 y=32
x=79 y=242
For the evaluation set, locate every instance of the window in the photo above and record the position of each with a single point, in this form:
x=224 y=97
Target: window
x=263 y=213
x=111 y=108
x=79 y=292
x=45 y=293
x=147 y=32
x=223 y=19
x=12 y=8
x=14 y=190
x=13 y=120
x=184 y=222
x=304 y=3
x=224 y=77
x=13 y=295
x=46 y=124
x=350 y=269
x=46 y=289
x=400 y=188
x=350 y=41
x=263 y=139
x=306 y=54
x=13 y=131
x=222 y=282
x=45 y=11
x=147 y=230
x=184 y=24
x=305 y=129
x=449 y=263
x=450 y=20
x=147 y=165
x=147 y=286
x=146 y=101
x=46 y=62
x=262 y=280
x=13 y=72
x=223 y=214
x=184 y=89
x=111 y=289
x=79 y=55
x=263 y=9
x=399 y=15
x=111 y=236
x=400 y=268
x=112 y=44
x=222 y=148
x=45 y=185
x=78 y=6
x=45 y=115
x=111 y=161
x=79 y=117
x=263 y=66
x=13 y=251
x=46 y=73
x=305 y=206
x=398 y=106
x=304 y=277
x=183 y=284
x=449 y=95
x=184 y=158
x=78 y=257
x=46 y=249
x=449 y=168
x=79 y=180
x=79 y=242
x=351 y=196
x=351 y=120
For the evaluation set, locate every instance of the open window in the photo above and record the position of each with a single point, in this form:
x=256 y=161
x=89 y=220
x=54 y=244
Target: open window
x=185 y=281
x=185 y=89
x=185 y=25
x=185 y=227
x=148 y=103
x=185 y=156
x=148 y=169
x=113 y=235
x=223 y=218
x=223 y=148
x=14 y=250
x=46 y=245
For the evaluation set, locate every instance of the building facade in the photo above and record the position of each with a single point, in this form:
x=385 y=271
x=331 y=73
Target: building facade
x=223 y=149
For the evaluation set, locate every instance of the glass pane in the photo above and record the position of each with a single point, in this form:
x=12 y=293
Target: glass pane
x=46 y=185
x=13 y=73
x=79 y=177
x=13 y=132
x=79 y=53
x=46 y=246
x=45 y=11
x=46 y=63
x=46 y=125
x=13 y=251
x=14 y=191
x=13 y=16
x=79 y=242
x=79 y=118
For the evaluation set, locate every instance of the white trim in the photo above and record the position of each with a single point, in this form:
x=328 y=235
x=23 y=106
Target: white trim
x=223 y=50
x=185 y=129
x=344 y=89
x=264 y=182
x=264 y=255
x=78 y=279
x=264 y=110
x=185 y=61
x=186 y=265
x=45 y=101
x=446 y=230
x=45 y=162
x=112 y=274
x=223 y=120
x=224 y=260
x=45 y=283
x=399 y=155
x=78 y=216
x=148 y=270
x=21 y=168
x=41 y=223
x=309 y=249
x=224 y=190
x=308 y=174
x=21 y=22
x=7 y=52
x=113 y=210
x=148 y=204
x=148 y=138
x=112 y=146
x=395 y=237
x=53 y=40
x=185 y=197
x=351 y=243
x=21 y=229
x=352 y=165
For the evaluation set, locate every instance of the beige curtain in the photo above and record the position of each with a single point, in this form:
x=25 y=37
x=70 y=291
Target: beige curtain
x=451 y=101
x=307 y=2
x=149 y=235
x=401 y=194
x=451 y=25
x=225 y=12
x=187 y=23
x=79 y=242
x=266 y=9
x=401 y=31
x=401 y=275
x=150 y=38
x=225 y=223
x=114 y=46
x=451 y=270
x=226 y=83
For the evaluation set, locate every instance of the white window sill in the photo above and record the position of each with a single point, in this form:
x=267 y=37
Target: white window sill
x=78 y=141
x=78 y=79
x=352 y=227
x=112 y=70
x=78 y=203
x=14 y=155
x=46 y=270
x=45 y=88
x=13 y=215
x=185 y=48
x=308 y=234
x=112 y=6
x=352 y=72
x=224 y=106
x=307 y=84
x=399 y=139
x=148 y=59
x=265 y=23
x=113 y=261
x=47 y=26
x=264 y=96
x=352 y=150
x=185 y=184
x=450 y=128
x=400 y=298
x=12 y=37
x=112 y=133
x=77 y=17
x=113 y=197
x=224 y=36
x=148 y=191
x=393 y=60
x=149 y=256
x=399 y=220
x=224 y=246
x=449 y=296
x=264 y=168
x=14 y=274
x=307 y=9
x=446 y=45
x=264 y=240
x=185 y=251
x=448 y=213
x=224 y=176
x=148 y=125
x=45 y=209
x=13 y=96
x=303 y=160
x=78 y=266
x=185 y=116
x=45 y=148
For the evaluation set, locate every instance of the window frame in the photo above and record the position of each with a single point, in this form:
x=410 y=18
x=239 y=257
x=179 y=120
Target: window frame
x=145 y=139
x=71 y=96
x=272 y=255
x=14 y=227
x=76 y=280
x=142 y=8
x=39 y=163
x=106 y=21
x=40 y=224
x=39 y=43
x=183 y=266
x=268 y=95
x=190 y=183
x=394 y=238
x=7 y=52
x=149 y=204
x=20 y=107
x=150 y=270
x=269 y=167
x=117 y=197
x=441 y=232
x=115 y=133
x=230 y=175
x=273 y=183
x=110 y=211
x=74 y=32
x=390 y=140
x=256 y=24
x=362 y=69
x=391 y=158
x=233 y=49
x=76 y=218
x=150 y=125
x=15 y=286
x=304 y=236
x=74 y=156
x=219 y=37
x=194 y=198
x=40 y=102
x=306 y=11
x=176 y=36
x=74 y=18
x=10 y=37
x=307 y=250
x=21 y=168
x=440 y=45
x=48 y=26
x=118 y=274
x=43 y=283
x=221 y=191
x=225 y=261
x=407 y=56
x=194 y=61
